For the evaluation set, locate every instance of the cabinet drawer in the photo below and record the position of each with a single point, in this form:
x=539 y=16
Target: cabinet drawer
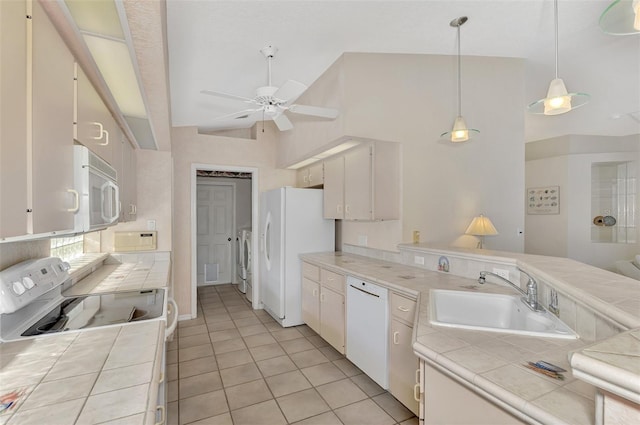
x=332 y=280
x=310 y=271
x=403 y=308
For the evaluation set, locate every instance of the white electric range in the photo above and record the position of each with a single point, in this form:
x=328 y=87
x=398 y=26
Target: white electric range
x=32 y=304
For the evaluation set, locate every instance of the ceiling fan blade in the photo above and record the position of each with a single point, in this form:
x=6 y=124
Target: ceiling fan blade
x=239 y=115
x=290 y=91
x=315 y=111
x=282 y=122
x=227 y=96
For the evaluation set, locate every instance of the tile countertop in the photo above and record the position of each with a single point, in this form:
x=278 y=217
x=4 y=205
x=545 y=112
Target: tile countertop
x=613 y=365
x=490 y=363
x=90 y=376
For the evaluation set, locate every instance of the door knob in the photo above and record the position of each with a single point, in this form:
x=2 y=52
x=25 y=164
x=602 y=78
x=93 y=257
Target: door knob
x=229 y=239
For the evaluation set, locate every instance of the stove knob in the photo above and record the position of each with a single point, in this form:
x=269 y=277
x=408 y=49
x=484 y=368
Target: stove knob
x=18 y=288
x=28 y=282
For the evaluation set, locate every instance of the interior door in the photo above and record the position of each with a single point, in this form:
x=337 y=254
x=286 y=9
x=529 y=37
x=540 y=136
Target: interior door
x=214 y=215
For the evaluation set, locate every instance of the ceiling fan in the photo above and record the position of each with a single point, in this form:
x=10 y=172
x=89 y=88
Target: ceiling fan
x=271 y=102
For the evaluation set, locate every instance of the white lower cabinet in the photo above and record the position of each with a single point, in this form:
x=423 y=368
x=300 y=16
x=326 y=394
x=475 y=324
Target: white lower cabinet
x=323 y=306
x=446 y=402
x=403 y=363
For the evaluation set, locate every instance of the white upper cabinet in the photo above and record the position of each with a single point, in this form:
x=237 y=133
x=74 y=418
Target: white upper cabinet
x=128 y=184
x=311 y=176
x=36 y=139
x=334 y=187
x=363 y=183
x=95 y=127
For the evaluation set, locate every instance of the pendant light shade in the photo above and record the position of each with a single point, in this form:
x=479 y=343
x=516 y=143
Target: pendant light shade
x=558 y=100
x=622 y=17
x=460 y=132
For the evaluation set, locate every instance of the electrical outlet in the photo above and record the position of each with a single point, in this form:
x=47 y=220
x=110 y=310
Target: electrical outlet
x=418 y=260
x=151 y=225
x=501 y=272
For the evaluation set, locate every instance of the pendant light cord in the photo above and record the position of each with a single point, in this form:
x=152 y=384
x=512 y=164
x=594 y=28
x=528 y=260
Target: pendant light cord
x=555 y=13
x=459 y=72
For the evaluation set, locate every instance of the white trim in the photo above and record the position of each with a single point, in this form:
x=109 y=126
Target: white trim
x=193 y=228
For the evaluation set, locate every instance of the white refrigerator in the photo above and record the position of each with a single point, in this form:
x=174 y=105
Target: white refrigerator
x=291 y=224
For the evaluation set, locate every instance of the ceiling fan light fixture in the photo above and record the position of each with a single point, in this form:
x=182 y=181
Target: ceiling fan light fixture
x=621 y=17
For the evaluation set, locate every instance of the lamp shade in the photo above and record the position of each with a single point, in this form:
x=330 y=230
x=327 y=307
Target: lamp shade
x=622 y=17
x=481 y=226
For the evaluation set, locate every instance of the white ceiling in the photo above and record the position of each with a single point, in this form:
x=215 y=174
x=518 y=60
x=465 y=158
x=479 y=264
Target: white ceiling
x=215 y=45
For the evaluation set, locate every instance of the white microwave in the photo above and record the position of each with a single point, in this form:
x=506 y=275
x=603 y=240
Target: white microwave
x=98 y=195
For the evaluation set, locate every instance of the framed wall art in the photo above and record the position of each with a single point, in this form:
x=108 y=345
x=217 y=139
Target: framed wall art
x=543 y=200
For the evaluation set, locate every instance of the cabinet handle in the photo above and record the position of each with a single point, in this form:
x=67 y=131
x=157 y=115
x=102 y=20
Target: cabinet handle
x=161 y=380
x=105 y=134
x=76 y=201
x=396 y=334
x=132 y=209
x=418 y=376
x=401 y=308
x=339 y=208
x=416 y=390
x=347 y=209
x=315 y=292
x=322 y=297
x=161 y=410
x=100 y=130
x=330 y=279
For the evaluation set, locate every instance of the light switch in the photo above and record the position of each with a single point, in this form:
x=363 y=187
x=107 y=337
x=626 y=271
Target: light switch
x=151 y=225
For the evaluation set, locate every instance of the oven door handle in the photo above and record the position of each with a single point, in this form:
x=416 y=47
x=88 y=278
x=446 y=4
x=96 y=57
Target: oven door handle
x=113 y=212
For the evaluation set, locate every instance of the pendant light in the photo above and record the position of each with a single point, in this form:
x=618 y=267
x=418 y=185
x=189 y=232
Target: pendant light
x=622 y=17
x=460 y=132
x=558 y=100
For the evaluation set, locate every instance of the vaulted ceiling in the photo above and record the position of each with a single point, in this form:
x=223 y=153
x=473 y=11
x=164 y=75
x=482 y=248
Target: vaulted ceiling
x=215 y=45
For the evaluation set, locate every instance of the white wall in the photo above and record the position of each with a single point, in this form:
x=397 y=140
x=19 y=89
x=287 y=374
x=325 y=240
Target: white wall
x=189 y=147
x=411 y=99
x=566 y=161
x=154 y=173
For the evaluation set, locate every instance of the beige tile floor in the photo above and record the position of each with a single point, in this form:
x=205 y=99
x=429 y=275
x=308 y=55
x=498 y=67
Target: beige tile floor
x=235 y=365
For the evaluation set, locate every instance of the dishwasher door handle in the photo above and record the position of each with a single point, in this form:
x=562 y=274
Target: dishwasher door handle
x=366 y=292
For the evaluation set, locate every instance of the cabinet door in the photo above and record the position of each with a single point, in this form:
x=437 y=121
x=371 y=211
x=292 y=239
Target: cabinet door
x=316 y=175
x=52 y=129
x=302 y=177
x=94 y=125
x=13 y=119
x=128 y=182
x=357 y=184
x=334 y=188
x=332 y=318
x=403 y=365
x=311 y=304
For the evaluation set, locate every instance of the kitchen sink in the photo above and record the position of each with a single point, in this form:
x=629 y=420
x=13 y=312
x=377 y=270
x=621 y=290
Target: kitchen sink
x=493 y=313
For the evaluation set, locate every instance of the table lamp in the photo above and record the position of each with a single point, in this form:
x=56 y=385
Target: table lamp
x=481 y=226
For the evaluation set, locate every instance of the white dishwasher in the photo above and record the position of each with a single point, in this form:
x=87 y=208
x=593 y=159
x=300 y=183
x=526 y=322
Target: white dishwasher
x=367 y=323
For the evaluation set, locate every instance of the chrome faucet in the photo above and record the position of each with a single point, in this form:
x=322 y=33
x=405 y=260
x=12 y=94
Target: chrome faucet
x=530 y=297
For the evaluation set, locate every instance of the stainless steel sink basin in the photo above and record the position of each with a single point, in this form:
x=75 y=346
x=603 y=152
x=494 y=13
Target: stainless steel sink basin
x=493 y=313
